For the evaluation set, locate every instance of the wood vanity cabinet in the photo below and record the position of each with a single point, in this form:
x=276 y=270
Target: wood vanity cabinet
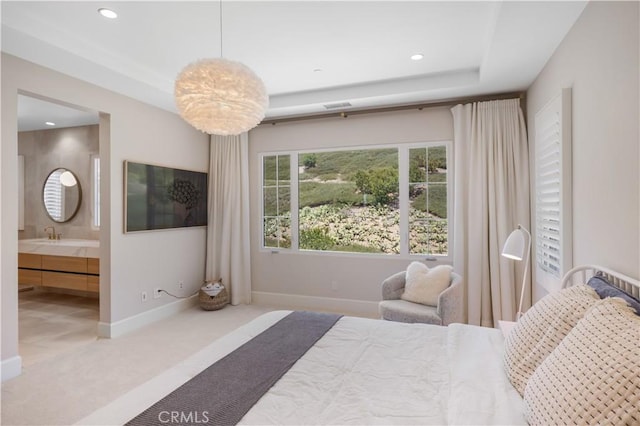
x=93 y=280
x=70 y=272
x=29 y=269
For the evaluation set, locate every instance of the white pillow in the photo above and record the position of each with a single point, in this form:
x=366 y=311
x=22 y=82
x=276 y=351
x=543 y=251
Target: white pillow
x=424 y=285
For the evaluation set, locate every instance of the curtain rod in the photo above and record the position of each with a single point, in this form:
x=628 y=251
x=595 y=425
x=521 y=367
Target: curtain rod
x=419 y=106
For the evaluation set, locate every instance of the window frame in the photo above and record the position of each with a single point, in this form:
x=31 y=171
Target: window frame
x=403 y=200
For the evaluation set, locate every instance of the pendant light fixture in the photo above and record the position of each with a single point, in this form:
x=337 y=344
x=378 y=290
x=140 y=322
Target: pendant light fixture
x=219 y=96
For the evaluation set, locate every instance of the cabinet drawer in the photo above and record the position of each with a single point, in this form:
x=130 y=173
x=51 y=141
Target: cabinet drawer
x=29 y=276
x=93 y=283
x=28 y=260
x=62 y=280
x=65 y=263
x=93 y=265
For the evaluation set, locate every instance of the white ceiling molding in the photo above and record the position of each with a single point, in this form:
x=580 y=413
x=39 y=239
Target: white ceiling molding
x=362 y=48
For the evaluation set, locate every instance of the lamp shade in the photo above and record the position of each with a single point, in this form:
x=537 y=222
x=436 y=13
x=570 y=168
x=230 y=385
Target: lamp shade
x=515 y=245
x=220 y=97
x=514 y=248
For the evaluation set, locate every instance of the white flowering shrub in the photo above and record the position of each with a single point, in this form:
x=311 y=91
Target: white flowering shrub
x=359 y=229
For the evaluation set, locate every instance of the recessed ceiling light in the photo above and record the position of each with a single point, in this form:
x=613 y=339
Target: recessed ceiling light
x=107 y=13
x=317 y=70
x=417 y=56
x=50 y=123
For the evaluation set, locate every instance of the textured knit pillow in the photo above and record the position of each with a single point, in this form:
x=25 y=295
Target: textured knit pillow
x=541 y=329
x=593 y=376
x=424 y=285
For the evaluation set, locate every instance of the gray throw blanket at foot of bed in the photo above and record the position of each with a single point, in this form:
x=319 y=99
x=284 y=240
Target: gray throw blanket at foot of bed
x=224 y=392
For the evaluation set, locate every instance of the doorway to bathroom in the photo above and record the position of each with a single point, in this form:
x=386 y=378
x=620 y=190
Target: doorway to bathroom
x=58 y=227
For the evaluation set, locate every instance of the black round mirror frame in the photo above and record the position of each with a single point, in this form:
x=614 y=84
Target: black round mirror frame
x=55 y=174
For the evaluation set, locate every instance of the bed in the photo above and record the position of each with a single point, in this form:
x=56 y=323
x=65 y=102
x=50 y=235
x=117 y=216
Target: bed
x=365 y=371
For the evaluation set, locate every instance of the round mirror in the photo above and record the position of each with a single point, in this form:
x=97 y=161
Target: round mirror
x=61 y=195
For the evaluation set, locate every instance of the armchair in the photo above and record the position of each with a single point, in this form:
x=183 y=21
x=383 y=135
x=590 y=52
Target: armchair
x=449 y=309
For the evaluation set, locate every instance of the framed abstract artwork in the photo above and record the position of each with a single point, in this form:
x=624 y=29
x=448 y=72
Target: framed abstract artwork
x=159 y=197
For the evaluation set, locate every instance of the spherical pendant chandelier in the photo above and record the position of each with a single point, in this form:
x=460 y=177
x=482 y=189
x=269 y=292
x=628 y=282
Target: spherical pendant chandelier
x=219 y=96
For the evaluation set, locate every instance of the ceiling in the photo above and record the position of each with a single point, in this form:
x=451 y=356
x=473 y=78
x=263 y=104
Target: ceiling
x=309 y=54
x=34 y=114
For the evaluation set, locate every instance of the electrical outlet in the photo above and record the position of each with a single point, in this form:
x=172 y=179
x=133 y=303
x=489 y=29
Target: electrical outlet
x=334 y=285
x=157 y=292
x=143 y=296
x=180 y=284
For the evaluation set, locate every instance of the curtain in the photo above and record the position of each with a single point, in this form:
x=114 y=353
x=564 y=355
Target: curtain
x=228 y=255
x=491 y=197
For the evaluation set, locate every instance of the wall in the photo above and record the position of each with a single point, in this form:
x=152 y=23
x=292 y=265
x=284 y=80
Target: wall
x=305 y=279
x=45 y=151
x=130 y=263
x=598 y=59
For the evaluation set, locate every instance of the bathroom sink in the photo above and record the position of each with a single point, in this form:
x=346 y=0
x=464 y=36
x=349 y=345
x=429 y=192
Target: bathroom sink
x=63 y=247
x=65 y=242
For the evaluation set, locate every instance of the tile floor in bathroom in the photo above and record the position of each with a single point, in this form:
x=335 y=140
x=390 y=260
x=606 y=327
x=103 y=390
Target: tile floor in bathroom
x=51 y=323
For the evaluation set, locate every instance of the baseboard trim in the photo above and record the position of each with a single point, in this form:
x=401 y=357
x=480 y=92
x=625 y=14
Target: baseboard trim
x=11 y=368
x=127 y=325
x=295 y=301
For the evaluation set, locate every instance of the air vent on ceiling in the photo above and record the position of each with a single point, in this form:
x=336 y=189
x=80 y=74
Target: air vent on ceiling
x=337 y=105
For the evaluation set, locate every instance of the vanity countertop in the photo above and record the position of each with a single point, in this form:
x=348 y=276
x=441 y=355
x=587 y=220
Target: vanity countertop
x=64 y=247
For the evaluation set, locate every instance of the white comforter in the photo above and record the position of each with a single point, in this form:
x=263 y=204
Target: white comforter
x=377 y=372
x=364 y=372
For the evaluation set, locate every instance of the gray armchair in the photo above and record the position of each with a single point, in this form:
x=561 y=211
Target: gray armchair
x=449 y=309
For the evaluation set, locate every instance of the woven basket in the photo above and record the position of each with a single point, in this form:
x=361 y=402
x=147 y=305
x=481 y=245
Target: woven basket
x=212 y=303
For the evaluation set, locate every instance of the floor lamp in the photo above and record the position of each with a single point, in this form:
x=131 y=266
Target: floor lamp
x=514 y=248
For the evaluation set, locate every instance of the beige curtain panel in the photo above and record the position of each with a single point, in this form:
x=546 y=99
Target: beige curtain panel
x=228 y=243
x=491 y=198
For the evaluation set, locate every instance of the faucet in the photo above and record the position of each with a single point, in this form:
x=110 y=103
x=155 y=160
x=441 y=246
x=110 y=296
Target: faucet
x=52 y=235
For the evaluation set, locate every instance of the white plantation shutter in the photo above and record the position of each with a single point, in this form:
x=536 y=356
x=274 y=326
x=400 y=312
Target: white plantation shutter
x=553 y=191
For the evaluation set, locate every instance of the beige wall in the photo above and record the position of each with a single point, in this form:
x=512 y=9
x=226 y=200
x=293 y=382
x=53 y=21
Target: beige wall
x=45 y=151
x=598 y=59
x=129 y=130
x=310 y=275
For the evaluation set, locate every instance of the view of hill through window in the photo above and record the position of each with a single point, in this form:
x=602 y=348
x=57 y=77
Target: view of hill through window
x=349 y=200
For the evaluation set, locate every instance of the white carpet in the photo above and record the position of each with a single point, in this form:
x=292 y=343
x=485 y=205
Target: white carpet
x=67 y=387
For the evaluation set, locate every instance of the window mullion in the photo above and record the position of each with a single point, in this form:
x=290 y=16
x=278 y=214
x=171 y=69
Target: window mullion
x=262 y=216
x=277 y=200
x=293 y=201
x=403 y=198
x=450 y=194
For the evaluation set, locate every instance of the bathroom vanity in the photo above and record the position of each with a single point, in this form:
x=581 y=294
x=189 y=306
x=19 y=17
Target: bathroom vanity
x=67 y=264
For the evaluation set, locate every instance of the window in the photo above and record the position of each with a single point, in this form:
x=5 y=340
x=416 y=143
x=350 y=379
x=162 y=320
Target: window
x=388 y=200
x=428 y=231
x=95 y=191
x=276 y=204
x=347 y=201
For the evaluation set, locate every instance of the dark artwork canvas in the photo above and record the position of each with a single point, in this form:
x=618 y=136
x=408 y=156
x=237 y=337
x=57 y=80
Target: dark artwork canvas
x=162 y=197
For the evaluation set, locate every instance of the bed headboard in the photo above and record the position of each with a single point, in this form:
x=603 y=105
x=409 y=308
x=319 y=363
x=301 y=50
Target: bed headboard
x=581 y=274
